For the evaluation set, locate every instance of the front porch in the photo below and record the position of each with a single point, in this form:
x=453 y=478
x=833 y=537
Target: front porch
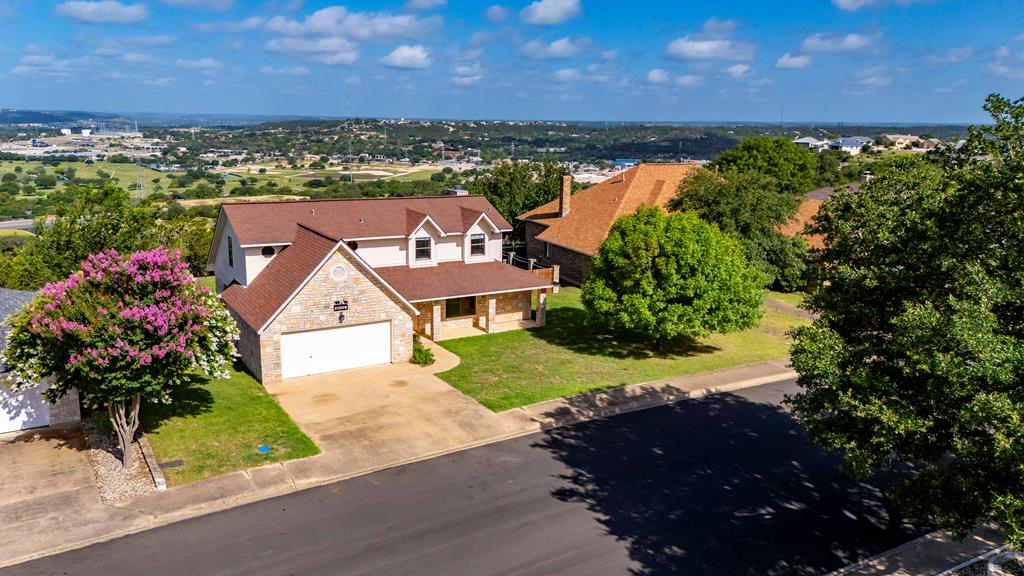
x=449 y=318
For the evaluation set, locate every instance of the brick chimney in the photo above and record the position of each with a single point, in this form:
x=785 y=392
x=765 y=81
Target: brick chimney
x=565 y=197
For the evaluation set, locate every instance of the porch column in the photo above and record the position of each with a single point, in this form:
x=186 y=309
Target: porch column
x=542 y=307
x=492 y=312
x=435 y=320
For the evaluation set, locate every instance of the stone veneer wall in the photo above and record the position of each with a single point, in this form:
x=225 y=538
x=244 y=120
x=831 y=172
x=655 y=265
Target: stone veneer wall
x=509 y=307
x=248 y=345
x=66 y=411
x=312 y=308
x=513 y=306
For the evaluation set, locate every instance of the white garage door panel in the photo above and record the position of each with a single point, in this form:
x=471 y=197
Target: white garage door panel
x=20 y=410
x=320 y=351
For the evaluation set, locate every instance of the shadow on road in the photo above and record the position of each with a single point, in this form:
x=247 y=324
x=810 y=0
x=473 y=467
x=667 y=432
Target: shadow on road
x=722 y=485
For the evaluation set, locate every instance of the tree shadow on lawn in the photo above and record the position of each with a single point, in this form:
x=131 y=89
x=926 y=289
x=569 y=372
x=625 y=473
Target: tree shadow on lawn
x=189 y=399
x=574 y=329
x=723 y=485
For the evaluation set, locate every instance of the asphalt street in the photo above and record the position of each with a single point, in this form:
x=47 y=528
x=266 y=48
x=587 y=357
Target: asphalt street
x=723 y=485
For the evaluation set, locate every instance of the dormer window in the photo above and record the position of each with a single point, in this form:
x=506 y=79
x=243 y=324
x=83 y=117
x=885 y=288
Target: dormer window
x=422 y=249
x=478 y=245
x=268 y=252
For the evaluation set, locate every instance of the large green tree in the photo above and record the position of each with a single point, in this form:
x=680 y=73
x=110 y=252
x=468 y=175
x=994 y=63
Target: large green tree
x=918 y=354
x=661 y=276
x=752 y=207
x=517 y=187
x=795 y=168
x=91 y=219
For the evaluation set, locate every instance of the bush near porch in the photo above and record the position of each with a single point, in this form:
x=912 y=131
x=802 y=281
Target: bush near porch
x=568 y=357
x=216 y=426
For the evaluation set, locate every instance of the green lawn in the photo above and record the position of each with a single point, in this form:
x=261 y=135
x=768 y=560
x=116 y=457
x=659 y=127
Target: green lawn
x=216 y=426
x=791 y=298
x=567 y=357
x=208 y=281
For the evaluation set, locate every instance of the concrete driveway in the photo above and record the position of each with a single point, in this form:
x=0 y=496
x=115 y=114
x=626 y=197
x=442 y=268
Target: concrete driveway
x=47 y=489
x=371 y=417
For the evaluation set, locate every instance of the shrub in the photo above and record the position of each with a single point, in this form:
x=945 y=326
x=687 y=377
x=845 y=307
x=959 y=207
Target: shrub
x=421 y=355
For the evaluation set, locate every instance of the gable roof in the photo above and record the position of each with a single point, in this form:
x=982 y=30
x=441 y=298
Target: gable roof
x=260 y=223
x=594 y=210
x=260 y=302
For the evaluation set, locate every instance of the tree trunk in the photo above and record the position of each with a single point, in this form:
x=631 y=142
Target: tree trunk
x=126 y=421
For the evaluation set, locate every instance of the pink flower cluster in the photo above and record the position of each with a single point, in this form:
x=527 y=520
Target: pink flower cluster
x=135 y=310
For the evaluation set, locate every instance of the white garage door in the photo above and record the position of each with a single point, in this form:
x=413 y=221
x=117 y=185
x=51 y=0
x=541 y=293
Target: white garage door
x=319 y=351
x=20 y=410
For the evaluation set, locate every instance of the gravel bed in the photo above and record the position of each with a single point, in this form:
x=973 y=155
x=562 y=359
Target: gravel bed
x=113 y=481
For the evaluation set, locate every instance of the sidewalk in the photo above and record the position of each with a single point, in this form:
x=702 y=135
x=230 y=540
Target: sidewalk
x=349 y=457
x=928 y=555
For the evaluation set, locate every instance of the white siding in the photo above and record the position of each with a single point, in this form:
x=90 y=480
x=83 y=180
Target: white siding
x=492 y=244
x=380 y=253
x=449 y=249
x=255 y=262
x=227 y=274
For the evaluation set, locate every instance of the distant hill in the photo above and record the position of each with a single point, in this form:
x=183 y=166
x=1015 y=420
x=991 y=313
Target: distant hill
x=12 y=116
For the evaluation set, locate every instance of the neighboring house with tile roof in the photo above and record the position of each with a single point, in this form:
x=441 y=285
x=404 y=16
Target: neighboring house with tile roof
x=808 y=209
x=569 y=231
x=28 y=409
x=324 y=285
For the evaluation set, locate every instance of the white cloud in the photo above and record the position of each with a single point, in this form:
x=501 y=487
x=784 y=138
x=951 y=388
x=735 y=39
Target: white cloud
x=687 y=48
x=854 y=5
x=836 y=43
x=295 y=71
x=951 y=56
x=790 y=61
x=737 y=70
x=250 y=23
x=953 y=87
x=714 y=41
x=161 y=82
x=547 y=12
x=47 y=66
x=424 y=4
x=567 y=75
x=466 y=80
x=869 y=81
x=103 y=12
x=562 y=48
x=689 y=80
x=1006 y=71
x=415 y=57
x=467 y=73
x=657 y=76
x=204 y=4
x=329 y=50
x=199 y=63
x=370 y=26
x=496 y=13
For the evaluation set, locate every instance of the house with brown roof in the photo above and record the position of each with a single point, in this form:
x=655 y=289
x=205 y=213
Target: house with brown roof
x=569 y=231
x=327 y=285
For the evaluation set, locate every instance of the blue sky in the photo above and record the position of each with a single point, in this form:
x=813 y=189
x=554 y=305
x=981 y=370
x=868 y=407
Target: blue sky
x=822 y=60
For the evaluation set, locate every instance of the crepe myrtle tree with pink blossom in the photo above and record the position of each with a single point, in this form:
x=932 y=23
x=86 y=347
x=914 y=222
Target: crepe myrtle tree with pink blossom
x=120 y=330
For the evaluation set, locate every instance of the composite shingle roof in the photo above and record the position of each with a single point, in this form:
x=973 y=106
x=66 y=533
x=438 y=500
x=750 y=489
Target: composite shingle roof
x=256 y=303
x=454 y=279
x=594 y=210
x=256 y=223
